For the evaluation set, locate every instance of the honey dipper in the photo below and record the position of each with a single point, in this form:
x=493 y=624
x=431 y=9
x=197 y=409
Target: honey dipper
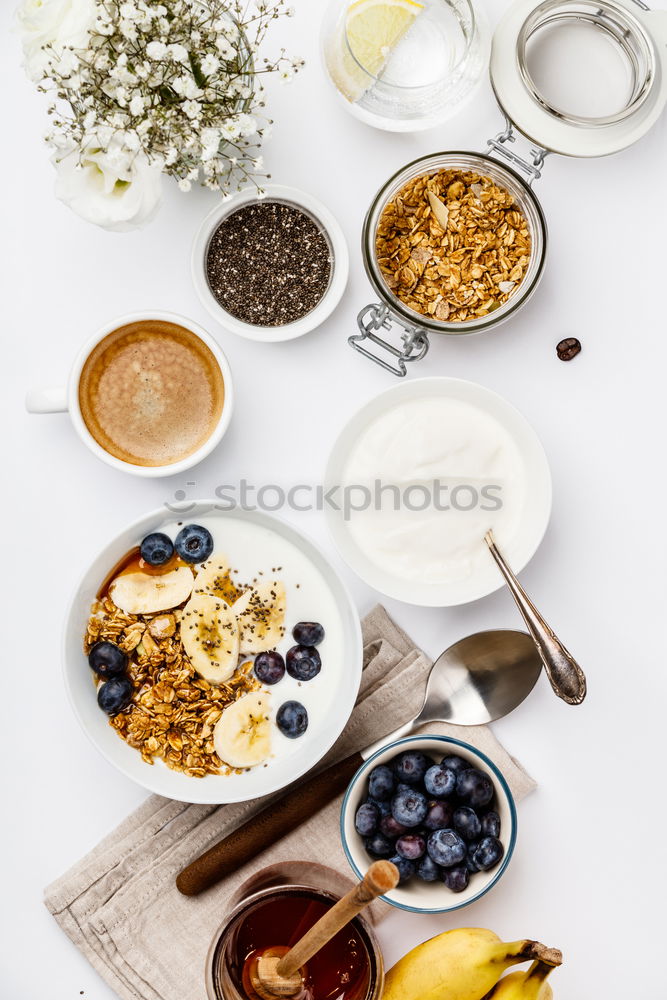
x=280 y=971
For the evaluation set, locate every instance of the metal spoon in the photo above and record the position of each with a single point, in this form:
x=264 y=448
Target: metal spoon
x=478 y=679
x=566 y=676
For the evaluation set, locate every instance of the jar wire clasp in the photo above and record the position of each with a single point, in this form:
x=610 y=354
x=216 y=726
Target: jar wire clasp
x=414 y=342
x=531 y=167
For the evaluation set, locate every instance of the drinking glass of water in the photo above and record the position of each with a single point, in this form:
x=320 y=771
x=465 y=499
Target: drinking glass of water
x=404 y=65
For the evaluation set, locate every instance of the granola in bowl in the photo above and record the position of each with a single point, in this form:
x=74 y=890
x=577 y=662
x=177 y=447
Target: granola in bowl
x=282 y=666
x=186 y=656
x=173 y=711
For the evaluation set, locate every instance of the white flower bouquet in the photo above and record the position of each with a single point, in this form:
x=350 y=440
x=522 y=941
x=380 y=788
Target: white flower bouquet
x=142 y=88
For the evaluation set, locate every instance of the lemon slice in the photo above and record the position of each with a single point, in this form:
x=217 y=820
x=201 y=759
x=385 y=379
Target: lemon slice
x=373 y=28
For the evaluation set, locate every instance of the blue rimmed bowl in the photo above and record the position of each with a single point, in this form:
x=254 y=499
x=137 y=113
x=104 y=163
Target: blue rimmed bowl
x=415 y=895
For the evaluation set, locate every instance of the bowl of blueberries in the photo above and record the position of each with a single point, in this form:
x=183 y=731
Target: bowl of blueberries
x=441 y=811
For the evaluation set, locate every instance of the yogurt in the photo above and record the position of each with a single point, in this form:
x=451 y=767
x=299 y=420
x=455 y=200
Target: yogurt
x=425 y=480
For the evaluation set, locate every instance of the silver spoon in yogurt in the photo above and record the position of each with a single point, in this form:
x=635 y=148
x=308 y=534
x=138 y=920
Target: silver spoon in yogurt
x=565 y=675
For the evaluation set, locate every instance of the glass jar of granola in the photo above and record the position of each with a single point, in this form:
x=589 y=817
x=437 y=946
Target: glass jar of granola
x=455 y=242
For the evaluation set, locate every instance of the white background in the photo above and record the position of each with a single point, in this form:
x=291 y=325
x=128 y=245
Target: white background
x=588 y=874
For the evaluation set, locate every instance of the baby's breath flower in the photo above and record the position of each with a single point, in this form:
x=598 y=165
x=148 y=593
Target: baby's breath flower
x=209 y=64
x=156 y=50
x=179 y=53
x=169 y=85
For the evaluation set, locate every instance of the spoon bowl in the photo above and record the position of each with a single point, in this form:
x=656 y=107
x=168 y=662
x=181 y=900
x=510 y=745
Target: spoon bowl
x=481 y=678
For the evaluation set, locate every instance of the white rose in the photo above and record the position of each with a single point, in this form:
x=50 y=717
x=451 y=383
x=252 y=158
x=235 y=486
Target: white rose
x=113 y=188
x=52 y=22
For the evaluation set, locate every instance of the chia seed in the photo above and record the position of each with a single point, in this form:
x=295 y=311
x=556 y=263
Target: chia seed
x=268 y=263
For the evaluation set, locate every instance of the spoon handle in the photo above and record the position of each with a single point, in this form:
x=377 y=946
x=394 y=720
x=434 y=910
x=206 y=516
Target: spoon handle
x=284 y=814
x=566 y=676
x=381 y=877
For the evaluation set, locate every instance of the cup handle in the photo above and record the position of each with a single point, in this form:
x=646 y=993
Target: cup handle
x=49 y=400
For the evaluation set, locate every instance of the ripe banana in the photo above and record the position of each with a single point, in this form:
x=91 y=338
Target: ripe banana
x=462 y=964
x=145 y=593
x=260 y=612
x=210 y=637
x=214 y=577
x=242 y=735
x=524 y=985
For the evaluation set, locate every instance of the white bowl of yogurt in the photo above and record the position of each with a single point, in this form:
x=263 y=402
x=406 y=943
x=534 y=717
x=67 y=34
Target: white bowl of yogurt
x=421 y=472
x=255 y=543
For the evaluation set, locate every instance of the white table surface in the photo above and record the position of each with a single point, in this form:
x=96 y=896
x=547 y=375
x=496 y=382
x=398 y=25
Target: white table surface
x=588 y=874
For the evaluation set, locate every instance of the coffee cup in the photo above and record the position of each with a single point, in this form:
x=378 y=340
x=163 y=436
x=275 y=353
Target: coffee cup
x=151 y=394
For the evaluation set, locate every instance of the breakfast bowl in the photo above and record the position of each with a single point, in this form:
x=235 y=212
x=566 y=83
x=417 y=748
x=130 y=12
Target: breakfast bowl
x=434 y=896
x=425 y=469
x=333 y=244
x=173 y=692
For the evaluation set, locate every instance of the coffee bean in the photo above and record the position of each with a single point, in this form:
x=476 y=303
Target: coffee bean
x=568 y=348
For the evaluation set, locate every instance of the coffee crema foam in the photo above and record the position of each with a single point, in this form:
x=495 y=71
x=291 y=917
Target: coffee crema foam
x=151 y=393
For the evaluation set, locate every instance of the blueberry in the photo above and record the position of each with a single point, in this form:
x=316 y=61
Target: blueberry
x=193 y=543
x=466 y=822
x=474 y=787
x=411 y=846
x=470 y=862
x=269 y=667
x=383 y=808
x=378 y=846
x=440 y=781
x=439 y=815
x=491 y=824
x=446 y=848
x=303 y=663
x=292 y=719
x=455 y=763
x=488 y=854
x=107 y=659
x=427 y=870
x=381 y=782
x=409 y=807
x=115 y=695
x=157 y=549
x=457 y=878
x=406 y=868
x=366 y=819
x=390 y=828
x=411 y=766
x=308 y=633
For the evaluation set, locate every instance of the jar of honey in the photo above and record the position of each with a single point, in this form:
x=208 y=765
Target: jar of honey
x=275 y=908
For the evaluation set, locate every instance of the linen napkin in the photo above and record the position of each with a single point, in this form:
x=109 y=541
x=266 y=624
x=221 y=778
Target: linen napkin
x=119 y=904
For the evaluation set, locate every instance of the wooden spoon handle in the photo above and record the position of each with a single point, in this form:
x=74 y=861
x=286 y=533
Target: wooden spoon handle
x=381 y=877
x=268 y=826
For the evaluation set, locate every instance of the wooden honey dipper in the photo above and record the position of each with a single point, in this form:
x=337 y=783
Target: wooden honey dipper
x=280 y=971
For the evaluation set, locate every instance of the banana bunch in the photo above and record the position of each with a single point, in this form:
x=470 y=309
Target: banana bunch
x=467 y=964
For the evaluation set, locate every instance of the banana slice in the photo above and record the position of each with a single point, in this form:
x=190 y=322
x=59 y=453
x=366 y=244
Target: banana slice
x=210 y=637
x=260 y=613
x=242 y=735
x=214 y=577
x=143 y=593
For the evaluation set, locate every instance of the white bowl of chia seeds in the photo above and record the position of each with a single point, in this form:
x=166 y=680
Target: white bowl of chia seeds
x=270 y=267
